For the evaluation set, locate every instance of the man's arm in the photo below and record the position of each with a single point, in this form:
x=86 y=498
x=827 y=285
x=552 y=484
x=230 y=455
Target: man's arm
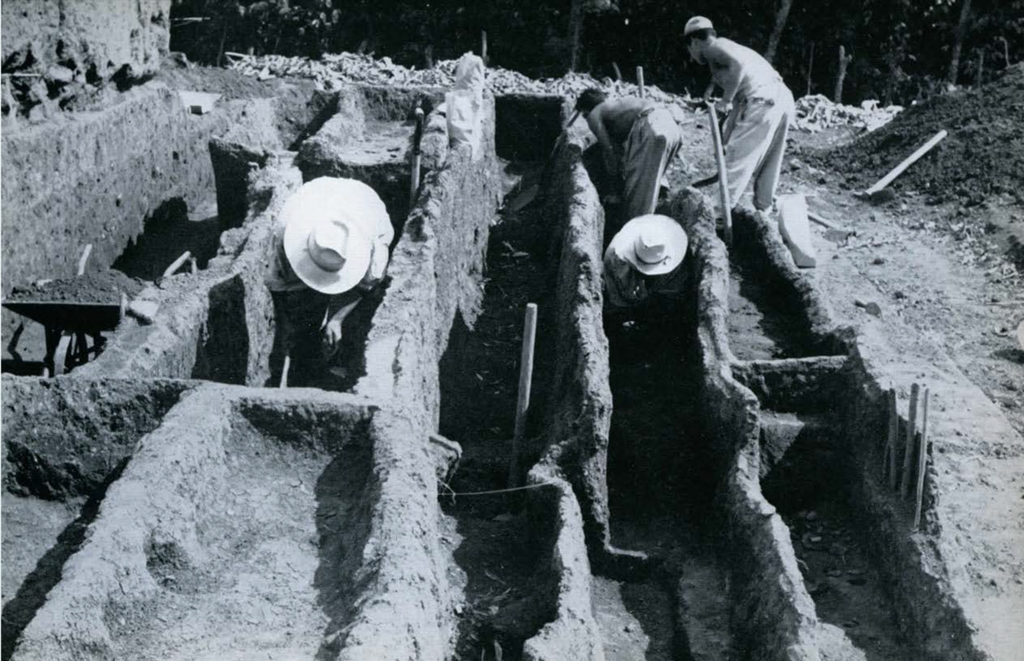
x=340 y=306
x=726 y=70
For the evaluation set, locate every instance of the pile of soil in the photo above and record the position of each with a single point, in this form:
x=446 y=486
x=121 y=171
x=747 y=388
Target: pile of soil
x=104 y=287
x=983 y=154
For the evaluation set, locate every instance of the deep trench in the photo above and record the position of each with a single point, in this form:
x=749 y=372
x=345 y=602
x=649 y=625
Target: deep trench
x=660 y=492
x=808 y=482
x=495 y=543
x=809 y=488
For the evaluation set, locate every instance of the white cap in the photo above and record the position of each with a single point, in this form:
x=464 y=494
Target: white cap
x=697 y=23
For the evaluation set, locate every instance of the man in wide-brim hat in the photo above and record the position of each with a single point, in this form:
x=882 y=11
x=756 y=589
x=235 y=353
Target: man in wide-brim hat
x=644 y=258
x=331 y=248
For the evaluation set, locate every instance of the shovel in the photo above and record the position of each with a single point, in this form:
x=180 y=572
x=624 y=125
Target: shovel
x=528 y=194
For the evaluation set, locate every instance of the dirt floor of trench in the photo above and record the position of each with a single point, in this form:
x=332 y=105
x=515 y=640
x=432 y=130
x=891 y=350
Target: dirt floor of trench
x=659 y=497
x=490 y=535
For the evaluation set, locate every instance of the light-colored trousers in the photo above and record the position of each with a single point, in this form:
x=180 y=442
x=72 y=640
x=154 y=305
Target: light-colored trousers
x=653 y=142
x=755 y=142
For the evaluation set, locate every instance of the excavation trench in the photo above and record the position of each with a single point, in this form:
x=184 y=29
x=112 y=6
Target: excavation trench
x=225 y=520
x=63 y=447
x=501 y=549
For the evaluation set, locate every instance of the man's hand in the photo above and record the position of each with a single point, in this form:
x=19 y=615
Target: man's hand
x=723 y=106
x=332 y=337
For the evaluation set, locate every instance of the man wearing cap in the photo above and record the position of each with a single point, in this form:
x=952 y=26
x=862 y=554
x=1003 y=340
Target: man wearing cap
x=641 y=135
x=759 y=105
x=331 y=248
x=642 y=259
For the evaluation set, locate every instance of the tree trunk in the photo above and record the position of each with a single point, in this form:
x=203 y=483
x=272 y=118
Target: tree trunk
x=575 y=33
x=780 y=23
x=961 y=32
x=810 y=70
x=844 y=61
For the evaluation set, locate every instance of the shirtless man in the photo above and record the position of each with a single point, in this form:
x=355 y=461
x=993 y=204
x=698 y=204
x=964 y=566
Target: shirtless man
x=759 y=105
x=641 y=135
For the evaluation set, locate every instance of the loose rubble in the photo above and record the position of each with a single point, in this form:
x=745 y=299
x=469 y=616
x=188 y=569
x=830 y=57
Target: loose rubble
x=816 y=112
x=334 y=70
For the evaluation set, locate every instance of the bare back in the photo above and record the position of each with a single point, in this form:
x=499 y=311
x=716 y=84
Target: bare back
x=755 y=74
x=617 y=116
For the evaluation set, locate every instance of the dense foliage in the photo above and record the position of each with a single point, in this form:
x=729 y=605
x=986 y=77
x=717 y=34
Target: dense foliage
x=901 y=49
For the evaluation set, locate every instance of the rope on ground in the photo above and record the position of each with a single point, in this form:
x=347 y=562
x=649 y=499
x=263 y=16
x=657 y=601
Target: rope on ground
x=451 y=492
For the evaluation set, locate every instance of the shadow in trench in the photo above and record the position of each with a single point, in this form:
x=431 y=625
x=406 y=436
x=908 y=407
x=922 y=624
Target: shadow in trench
x=343 y=520
x=167 y=233
x=659 y=480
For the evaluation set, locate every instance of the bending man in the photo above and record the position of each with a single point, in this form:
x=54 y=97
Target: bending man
x=641 y=135
x=642 y=259
x=759 y=105
x=331 y=249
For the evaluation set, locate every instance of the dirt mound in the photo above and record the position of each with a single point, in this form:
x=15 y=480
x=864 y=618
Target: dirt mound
x=982 y=155
x=105 y=287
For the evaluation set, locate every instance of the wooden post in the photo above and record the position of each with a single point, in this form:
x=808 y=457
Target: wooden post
x=284 y=370
x=417 y=158
x=177 y=264
x=483 y=46
x=907 y=162
x=890 y=445
x=618 y=71
x=84 y=258
x=908 y=449
x=193 y=265
x=723 y=183
x=525 y=382
x=922 y=461
x=640 y=81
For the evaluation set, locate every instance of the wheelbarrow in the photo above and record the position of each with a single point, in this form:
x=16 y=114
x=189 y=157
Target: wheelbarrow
x=73 y=329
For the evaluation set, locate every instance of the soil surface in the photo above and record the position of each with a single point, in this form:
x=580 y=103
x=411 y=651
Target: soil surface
x=273 y=545
x=983 y=154
x=479 y=383
x=847 y=591
x=104 y=287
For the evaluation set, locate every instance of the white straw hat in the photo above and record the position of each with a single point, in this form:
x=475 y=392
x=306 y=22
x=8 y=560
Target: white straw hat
x=653 y=244
x=329 y=226
x=697 y=23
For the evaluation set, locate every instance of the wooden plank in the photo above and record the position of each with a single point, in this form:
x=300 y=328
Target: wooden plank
x=907 y=162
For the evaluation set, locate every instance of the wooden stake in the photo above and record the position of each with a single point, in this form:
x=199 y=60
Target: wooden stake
x=177 y=264
x=640 y=81
x=525 y=382
x=922 y=461
x=618 y=71
x=910 y=160
x=908 y=449
x=890 y=443
x=723 y=184
x=193 y=265
x=483 y=46
x=417 y=158
x=84 y=258
x=284 y=371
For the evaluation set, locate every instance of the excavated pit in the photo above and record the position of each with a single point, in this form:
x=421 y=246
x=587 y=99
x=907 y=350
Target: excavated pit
x=64 y=444
x=235 y=515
